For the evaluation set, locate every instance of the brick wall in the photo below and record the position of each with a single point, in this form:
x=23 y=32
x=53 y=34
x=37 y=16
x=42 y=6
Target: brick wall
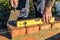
x=33 y=29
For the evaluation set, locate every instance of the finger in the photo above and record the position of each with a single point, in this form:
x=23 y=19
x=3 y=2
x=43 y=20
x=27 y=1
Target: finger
x=47 y=18
x=44 y=19
x=16 y=2
x=51 y=16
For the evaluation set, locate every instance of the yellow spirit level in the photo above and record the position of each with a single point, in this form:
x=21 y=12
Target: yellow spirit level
x=28 y=22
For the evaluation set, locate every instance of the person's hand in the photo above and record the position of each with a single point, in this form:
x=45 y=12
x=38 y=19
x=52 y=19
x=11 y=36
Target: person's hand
x=47 y=15
x=14 y=3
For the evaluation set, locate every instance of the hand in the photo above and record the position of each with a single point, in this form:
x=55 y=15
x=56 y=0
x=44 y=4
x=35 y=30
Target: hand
x=14 y=3
x=47 y=15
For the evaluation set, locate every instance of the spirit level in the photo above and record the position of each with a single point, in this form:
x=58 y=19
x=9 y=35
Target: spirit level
x=28 y=22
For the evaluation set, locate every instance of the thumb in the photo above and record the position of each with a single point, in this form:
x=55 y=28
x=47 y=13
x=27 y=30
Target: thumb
x=11 y=1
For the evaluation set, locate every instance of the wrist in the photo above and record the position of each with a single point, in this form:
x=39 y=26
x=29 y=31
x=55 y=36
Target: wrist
x=48 y=8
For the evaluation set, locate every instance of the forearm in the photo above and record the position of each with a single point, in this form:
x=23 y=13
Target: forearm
x=49 y=4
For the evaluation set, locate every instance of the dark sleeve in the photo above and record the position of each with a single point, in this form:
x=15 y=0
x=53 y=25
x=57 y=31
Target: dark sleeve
x=49 y=3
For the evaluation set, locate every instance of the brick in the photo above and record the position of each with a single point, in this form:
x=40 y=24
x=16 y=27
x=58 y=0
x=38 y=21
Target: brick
x=18 y=32
x=32 y=29
x=55 y=25
x=45 y=26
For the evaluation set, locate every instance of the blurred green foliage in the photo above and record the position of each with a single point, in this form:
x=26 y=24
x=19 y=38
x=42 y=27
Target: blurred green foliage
x=4 y=4
x=57 y=0
x=4 y=8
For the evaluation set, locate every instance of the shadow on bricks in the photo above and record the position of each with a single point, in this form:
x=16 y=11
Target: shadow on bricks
x=6 y=35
